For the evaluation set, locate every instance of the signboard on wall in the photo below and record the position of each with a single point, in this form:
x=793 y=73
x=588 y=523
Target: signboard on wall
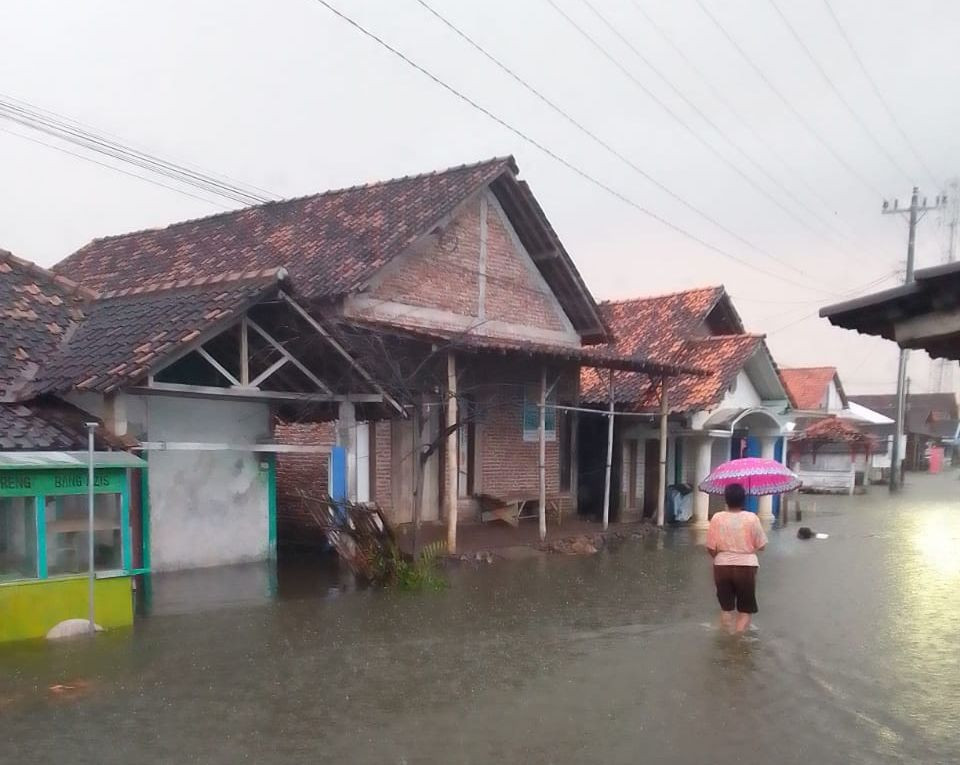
x=31 y=483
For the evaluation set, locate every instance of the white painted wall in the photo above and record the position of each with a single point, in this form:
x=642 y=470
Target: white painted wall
x=834 y=402
x=744 y=395
x=206 y=508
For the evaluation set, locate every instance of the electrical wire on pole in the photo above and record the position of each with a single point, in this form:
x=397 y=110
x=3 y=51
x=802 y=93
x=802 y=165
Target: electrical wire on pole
x=879 y=94
x=915 y=212
x=787 y=103
x=555 y=156
x=739 y=150
x=604 y=144
x=836 y=91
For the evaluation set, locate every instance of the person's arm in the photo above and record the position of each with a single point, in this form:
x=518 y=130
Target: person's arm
x=712 y=538
x=759 y=537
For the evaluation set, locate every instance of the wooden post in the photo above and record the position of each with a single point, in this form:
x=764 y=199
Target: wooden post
x=662 y=493
x=542 y=462
x=244 y=353
x=607 y=476
x=450 y=493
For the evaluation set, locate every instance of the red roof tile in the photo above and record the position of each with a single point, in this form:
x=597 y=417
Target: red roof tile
x=37 y=309
x=46 y=425
x=808 y=385
x=669 y=329
x=330 y=242
x=833 y=430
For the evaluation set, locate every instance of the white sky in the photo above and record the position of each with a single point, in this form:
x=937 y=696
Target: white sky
x=286 y=96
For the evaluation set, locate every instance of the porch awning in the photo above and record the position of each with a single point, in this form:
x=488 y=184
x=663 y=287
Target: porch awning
x=727 y=419
x=27 y=460
x=599 y=358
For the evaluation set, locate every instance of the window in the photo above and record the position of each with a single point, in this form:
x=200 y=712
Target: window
x=67 y=544
x=531 y=414
x=18 y=538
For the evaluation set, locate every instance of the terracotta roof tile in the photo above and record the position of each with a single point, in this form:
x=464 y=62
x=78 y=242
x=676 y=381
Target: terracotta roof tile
x=37 y=308
x=48 y=425
x=808 y=385
x=669 y=329
x=330 y=242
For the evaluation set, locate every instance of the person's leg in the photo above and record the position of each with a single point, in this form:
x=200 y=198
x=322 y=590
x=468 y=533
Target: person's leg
x=746 y=590
x=726 y=596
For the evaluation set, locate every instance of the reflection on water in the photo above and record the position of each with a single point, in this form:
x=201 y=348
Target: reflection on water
x=611 y=658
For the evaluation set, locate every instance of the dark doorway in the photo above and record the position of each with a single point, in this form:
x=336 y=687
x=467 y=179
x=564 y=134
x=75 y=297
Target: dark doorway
x=592 y=467
x=651 y=476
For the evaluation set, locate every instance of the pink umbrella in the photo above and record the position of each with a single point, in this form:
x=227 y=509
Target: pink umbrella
x=757 y=476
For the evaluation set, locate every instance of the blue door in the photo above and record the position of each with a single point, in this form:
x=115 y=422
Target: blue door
x=746 y=447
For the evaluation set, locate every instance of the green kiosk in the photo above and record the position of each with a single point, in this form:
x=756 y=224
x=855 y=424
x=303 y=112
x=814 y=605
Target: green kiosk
x=44 y=558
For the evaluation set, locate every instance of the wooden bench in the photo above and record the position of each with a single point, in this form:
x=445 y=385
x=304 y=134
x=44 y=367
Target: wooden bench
x=513 y=508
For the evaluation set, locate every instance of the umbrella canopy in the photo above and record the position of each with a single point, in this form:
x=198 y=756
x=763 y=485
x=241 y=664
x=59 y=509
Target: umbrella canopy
x=757 y=476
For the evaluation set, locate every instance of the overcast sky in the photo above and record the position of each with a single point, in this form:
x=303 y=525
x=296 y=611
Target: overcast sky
x=286 y=96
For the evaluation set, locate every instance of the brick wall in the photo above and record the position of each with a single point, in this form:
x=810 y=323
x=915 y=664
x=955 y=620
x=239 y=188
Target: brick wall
x=381 y=447
x=303 y=471
x=444 y=273
x=514 y=293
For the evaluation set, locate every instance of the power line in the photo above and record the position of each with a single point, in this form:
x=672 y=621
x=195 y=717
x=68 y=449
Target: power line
x=706 y=118
x=583 y=129
x=549 y=152
x=86 y=158
x=786 y=102
x=710 y=147
x=830 y=83
x=66 y=129
x=756 y=135
x=877 y=92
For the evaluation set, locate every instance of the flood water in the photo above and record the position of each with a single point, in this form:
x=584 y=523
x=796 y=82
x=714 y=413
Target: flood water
x=611 y=658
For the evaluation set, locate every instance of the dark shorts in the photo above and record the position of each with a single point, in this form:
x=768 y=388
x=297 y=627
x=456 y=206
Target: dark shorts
x=736 y=588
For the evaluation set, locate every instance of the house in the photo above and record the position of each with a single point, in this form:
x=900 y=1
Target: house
x=830 y=455
x=924 y=314
x=931 y=419
x=738 y=408
x=431 y=318
x=816 y=390
x=44 y=478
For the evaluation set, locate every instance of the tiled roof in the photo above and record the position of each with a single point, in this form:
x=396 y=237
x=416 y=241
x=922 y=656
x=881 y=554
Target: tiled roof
x=657 y=327
x=123 y=336
x=669 y=329
x=37 y=311
x=45 y=425
x=833 y=430
x=808 y=385
x=721 y=356
x=330 y=243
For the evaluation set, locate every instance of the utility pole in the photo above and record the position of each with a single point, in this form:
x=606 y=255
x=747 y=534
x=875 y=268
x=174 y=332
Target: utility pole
x=942 y=370
x=915 y=211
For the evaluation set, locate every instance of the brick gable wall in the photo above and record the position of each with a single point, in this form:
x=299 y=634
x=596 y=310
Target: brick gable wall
x=444 y=274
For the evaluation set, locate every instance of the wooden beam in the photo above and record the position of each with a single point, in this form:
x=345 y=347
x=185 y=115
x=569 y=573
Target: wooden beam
x=252 y=394
x=201 y=446
x=269 y=371
x=609 y=467
x=244 y=353
x=293 y=360
x=451 y=494
x=664 y=413
x=342 y=351
x=927 y=326
x=217 y=365
x=542 y=462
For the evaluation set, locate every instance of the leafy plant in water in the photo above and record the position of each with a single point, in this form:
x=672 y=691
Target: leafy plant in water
x=395 y=569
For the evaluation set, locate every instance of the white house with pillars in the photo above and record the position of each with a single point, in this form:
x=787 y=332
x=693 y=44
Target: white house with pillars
x=739 y=408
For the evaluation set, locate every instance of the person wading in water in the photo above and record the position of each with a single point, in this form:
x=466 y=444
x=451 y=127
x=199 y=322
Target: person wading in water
x=734 y=538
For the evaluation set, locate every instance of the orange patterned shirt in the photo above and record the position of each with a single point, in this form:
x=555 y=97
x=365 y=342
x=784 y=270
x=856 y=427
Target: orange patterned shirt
x=736 y=536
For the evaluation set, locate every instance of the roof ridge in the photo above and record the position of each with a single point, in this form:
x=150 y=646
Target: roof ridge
x=507 y=159
x=660 y=296
x=749 y=335
x=44 y=273
x=807 y=369
x=278 y=273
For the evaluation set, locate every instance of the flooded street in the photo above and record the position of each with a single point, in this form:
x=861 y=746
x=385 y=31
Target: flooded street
x=610 y=658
